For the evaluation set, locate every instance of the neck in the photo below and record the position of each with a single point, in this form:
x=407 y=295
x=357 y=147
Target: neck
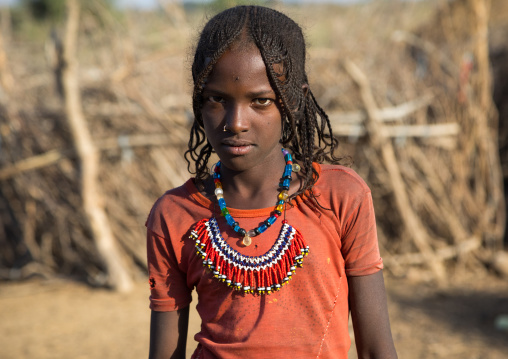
x=253 y=189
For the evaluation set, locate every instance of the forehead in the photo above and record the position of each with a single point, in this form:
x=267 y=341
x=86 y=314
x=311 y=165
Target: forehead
x=239 y=65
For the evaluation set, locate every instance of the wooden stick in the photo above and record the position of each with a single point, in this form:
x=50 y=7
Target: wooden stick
x=401 y=131
x=449 y=252
x=119 y=277
x=6 y=79
x=53 y=156
x=494 y=218
x=379 y=139
x=383 y=114
x=31 y=163
x=448 y=213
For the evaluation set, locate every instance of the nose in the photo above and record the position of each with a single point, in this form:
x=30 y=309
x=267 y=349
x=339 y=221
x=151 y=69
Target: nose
x=237 y=119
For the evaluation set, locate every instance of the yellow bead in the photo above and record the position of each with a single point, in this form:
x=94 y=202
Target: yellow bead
x=283 y=195
x=280 y=207
x=218 y=185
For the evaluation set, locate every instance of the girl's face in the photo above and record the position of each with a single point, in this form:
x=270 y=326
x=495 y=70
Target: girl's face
x=238 y=95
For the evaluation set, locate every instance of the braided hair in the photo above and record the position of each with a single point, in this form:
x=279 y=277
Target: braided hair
x=282 y=46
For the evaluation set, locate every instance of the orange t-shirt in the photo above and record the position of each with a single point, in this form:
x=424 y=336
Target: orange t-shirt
x=308 y=317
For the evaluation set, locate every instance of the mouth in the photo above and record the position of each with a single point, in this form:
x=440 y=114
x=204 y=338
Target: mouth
x=237 y=147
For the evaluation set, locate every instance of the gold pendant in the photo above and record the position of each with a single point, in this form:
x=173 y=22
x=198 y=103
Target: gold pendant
x=247 y=241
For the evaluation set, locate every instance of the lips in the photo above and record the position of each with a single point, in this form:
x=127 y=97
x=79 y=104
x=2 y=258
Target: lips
x=237 y=147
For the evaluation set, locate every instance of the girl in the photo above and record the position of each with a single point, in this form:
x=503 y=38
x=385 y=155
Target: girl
x=279 y=246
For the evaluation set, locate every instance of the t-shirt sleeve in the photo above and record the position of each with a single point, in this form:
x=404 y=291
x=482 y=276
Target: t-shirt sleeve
x=360 y=247
x=168 y=284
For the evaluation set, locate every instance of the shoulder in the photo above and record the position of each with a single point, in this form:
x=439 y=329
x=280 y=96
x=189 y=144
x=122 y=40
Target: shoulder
x=175 y=195
x=171 y=205
x=340 y=178
x=339 y=188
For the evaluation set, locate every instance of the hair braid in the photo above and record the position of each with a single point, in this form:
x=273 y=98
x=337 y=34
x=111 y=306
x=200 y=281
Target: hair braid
x=306 y=129
x=216 y=37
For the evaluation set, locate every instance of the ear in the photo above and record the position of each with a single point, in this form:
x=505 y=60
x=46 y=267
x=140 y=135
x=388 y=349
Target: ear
x=305 y=88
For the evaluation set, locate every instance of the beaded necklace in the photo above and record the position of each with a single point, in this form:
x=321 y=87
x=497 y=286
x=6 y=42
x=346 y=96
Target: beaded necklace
x=279 y=207
x=262 y=274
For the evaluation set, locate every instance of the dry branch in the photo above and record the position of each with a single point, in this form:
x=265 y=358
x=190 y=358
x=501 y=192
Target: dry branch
x=401 y=131
x=486 y=121
x=119 y=277
x=6 y=78
x=31 y=163
x=122 y=141
x=465 y=246
x=384 y=114
x=379 y=140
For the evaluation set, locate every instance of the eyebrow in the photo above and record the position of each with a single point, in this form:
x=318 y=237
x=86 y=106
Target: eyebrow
x=260 y=93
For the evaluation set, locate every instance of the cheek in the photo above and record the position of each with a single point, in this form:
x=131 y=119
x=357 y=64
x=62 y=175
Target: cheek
x=210 y=128
x=211 y=120
x=273 y=124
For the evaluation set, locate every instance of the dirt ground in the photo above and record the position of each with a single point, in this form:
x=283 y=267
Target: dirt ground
x=63 y=319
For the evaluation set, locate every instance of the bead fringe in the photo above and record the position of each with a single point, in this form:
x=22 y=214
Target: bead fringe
x=257 y=275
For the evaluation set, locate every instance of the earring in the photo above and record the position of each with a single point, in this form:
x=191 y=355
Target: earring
x=224 y=129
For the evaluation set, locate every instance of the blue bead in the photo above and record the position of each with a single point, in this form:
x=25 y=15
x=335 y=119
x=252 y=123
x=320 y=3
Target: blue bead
x=286 y=182
x=271 y=220
x=222 y=203
x=281 y=201
x=262 y=228
x=237 y=228
x=230 y=219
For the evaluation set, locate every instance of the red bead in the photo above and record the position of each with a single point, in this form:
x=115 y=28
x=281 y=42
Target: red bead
x=276 y=215
x=289 y=162
x=216 y=180
x=284 y=221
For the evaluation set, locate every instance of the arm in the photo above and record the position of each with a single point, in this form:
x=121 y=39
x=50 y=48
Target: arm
x=369 y=312
x=168 y=334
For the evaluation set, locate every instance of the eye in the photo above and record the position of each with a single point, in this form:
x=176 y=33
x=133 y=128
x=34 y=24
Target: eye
x=215 y=99
x=263 y=101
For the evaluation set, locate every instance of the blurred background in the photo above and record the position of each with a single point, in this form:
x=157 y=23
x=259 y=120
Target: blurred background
x=95 y=109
